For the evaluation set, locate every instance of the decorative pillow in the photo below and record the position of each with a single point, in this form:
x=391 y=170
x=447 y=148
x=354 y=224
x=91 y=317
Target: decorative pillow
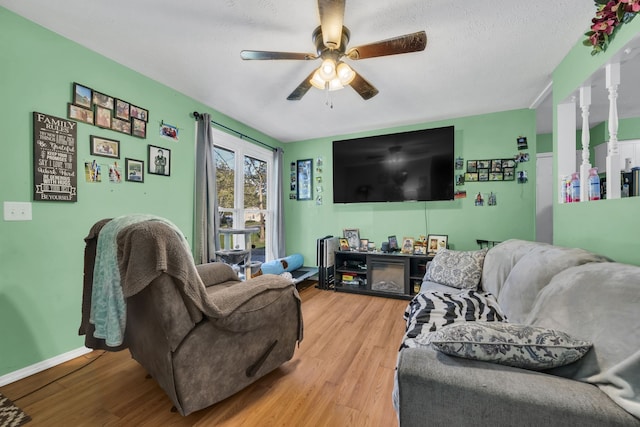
x=522 y=346
x=458 y=269
x=430 y=311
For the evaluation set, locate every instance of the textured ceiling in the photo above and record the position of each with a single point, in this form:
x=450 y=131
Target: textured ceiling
x=482 y=56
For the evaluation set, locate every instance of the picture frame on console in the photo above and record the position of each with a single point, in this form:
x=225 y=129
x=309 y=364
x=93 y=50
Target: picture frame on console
x=353 y=237
x=344 y=244
x=407 y=245
x=393 y=243
x=436 y=243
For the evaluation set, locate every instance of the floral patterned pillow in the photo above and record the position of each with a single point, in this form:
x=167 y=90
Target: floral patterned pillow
x=521 y=346
x=458 y=269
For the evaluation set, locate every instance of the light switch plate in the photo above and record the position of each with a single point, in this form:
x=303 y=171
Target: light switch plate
x=17 y=211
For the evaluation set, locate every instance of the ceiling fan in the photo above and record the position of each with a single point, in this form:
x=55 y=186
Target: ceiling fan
x=331 y=39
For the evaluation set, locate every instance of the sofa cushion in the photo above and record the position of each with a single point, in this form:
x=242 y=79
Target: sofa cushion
x=430 y=311
x=458 y=269
x=517 y=345
x=598 y=302
x=533 y=272
x=500 y=260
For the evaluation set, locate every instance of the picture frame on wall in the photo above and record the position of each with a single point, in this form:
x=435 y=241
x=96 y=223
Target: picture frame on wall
x=159 y=161
x=80 y=114
x=508 y=174
x=102 y=117
x=123 y=126
x=472 y=166
x=138 y=128
x=105 y=147
x=82 y=95
x=436 y=243
x=122 y=110
x=134 y=170
x=104 y=101
x=136 y=112
x=304 y=170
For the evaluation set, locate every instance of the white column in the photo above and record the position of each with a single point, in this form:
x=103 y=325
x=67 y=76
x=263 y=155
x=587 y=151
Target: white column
x=613 y=156
x=566 y=149
x=585 y=103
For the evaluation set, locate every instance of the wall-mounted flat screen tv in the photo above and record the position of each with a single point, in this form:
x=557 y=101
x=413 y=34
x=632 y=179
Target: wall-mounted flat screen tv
x=407 y=166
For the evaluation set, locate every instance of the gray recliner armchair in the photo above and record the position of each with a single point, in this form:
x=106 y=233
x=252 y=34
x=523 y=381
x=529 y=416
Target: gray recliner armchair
x=202 y=334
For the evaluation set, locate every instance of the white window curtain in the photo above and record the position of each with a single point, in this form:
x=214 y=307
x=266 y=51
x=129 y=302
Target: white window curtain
x=206 y=221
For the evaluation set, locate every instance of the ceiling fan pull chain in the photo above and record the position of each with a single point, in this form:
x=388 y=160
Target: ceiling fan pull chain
x=328 y=99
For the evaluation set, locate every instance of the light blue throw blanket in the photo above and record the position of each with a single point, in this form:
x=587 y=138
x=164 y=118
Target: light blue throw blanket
x=108 y=306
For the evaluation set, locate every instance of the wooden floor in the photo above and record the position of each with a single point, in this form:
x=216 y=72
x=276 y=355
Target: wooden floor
x=341 y=375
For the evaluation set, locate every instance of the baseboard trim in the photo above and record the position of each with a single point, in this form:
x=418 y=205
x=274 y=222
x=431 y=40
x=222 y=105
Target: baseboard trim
x=41 y=366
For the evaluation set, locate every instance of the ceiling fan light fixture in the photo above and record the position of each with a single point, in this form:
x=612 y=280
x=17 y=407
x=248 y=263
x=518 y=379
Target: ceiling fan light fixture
x=335 y=84
x=345 y=73
x=317 y=81
x=328 y=69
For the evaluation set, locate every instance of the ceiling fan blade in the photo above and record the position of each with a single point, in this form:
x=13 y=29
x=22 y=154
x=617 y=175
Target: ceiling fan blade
x=365 y=89
x=261 y=54
x=413 y=42
x=331 y=19
x=302 y=89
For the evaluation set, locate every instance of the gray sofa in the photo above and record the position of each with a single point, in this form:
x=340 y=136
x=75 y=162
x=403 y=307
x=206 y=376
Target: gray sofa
x=571 y=290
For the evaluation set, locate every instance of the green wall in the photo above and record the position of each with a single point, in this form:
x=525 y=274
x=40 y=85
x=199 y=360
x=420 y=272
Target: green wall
x=544 y=142
x=41 y=261
x=478 y=137
x=604 y=226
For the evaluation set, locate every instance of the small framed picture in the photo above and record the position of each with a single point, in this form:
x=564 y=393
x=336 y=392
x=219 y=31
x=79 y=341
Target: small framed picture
x=105 y=147
x=81 y=114
x=407 y=245
x=104 y=101
x=119 y=125
x=419 y=250
x=483 y=174
x=484 y=164
x=509 y=174
x=159 y=160
x=305 y=179
x=495 y=176
x=353 y=237
x=470 y=176
x=103 y=117
x=436 y=243
x=364 y=244
x=472 y=166
x=134 y=170
x=393 y=243
x=138 y=128
x=138 y=113
x=344 y=244
x=82 y=95
x=508 y=163
x=122 y=110
x=168 y=131
x=496 y=165
x=459 y=164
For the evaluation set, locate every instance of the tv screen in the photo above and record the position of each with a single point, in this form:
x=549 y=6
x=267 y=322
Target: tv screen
x=407 y=166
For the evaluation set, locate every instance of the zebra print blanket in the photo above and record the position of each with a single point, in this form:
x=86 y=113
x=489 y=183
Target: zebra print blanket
x=430 y=311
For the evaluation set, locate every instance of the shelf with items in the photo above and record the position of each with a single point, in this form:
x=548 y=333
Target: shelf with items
x=393 y=275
